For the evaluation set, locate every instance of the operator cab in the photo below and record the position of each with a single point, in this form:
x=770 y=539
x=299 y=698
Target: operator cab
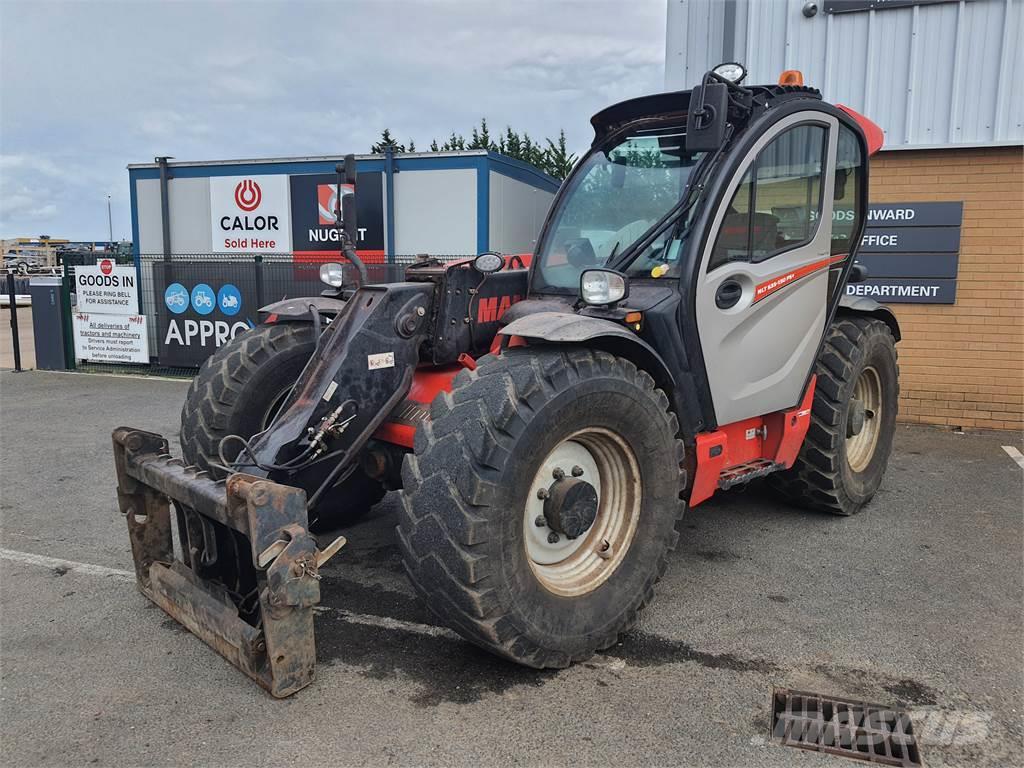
x=716 y=224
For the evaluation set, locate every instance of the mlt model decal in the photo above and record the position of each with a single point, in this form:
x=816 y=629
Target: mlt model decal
x=769 y=287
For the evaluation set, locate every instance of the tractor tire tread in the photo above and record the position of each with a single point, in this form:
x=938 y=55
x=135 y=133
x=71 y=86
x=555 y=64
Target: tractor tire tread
x=449 y=481
x=815 y=480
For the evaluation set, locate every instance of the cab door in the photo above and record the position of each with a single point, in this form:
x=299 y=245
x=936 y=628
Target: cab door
x=762 y=288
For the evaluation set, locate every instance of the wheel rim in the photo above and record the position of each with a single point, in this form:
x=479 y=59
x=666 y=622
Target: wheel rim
x=867 y=395
x=573 y=567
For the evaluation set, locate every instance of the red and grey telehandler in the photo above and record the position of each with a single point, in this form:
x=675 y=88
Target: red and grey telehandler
x=681 y=328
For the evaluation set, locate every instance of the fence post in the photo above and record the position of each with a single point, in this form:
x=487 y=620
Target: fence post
x=16 y=340
x=70 y=363
x=259 y=281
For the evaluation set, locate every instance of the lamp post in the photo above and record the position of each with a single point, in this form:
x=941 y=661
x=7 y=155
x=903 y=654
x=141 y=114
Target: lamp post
x=110 y=223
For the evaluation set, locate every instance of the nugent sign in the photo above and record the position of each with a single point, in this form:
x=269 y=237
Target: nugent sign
x=250 y=214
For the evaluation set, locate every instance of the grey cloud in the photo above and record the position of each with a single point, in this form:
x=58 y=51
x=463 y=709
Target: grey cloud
x=118 y=83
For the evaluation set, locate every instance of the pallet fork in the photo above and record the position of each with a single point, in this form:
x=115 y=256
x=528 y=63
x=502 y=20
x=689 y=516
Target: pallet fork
x=278 y=649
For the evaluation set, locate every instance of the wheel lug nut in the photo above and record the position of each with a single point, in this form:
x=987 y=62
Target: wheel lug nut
x=540 y=521
x=558 y=473
x=552 y=538
x=542 y=493
x=577 y=471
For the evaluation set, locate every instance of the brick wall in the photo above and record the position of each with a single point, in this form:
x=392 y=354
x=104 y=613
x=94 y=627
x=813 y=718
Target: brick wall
x=962 y=365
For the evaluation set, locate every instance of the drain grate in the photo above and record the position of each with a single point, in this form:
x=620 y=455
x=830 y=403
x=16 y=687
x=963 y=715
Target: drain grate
x=844 y=727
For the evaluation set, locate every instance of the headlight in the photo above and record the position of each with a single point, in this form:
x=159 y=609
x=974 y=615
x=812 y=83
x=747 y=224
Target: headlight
x=731 y=71
x=331 y=273
x=603 y=286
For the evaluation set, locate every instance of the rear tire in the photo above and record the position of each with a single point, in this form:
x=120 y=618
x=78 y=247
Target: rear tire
x=237 y=392
x=467 y=527
x=840 y=467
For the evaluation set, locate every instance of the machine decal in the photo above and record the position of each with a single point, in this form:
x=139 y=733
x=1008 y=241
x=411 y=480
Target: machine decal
x=380 y=360
x=769 y=287
x=490 y=309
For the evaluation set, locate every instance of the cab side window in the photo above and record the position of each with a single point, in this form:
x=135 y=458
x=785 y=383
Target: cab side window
x=778 y=203
x=846 y=210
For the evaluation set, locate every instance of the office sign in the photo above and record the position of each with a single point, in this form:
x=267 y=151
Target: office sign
x=250 y=214
x=107 y=288
x=313 y=199
x=911 y=251
x=111 y=338
x=200 y=307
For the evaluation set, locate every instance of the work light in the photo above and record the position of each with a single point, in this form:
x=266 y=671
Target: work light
x=332 y=274
x=731 y=71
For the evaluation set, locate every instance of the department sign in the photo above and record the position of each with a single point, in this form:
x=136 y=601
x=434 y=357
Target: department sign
x=250 y=214
x=911 y=251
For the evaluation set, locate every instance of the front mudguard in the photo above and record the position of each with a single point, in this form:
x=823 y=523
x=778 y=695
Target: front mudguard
x=570 y=328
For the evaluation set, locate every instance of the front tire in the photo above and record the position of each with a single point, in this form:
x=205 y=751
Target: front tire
x=475 y=536
x=853 y=420
x=238 y=391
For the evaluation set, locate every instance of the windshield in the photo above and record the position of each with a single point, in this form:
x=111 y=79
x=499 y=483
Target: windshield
x=613 y=198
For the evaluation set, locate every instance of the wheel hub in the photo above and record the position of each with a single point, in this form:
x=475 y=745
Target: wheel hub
x=571 y=506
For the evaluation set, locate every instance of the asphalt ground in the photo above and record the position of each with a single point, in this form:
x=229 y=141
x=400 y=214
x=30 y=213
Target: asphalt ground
x=916 y=602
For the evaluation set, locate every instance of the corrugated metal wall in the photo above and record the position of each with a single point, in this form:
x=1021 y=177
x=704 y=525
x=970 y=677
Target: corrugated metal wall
x=930 y=75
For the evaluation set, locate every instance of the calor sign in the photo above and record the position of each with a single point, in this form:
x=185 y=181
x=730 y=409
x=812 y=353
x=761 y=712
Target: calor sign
x=250 y=214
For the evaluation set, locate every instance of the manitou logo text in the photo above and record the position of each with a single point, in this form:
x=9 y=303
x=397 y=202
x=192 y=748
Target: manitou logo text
x=491 y=309
x=248 y=195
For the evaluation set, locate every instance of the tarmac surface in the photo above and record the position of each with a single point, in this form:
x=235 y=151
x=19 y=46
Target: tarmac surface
x=916 y=602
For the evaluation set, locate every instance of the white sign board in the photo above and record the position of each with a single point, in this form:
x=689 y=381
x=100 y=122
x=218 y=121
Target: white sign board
x=107 y=288
x=250 y=214
x=111 y=338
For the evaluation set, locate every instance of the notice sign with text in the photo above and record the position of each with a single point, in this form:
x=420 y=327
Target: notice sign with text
x=111 y=338
x=911 y=252
x=250 y=214
x=107 y=288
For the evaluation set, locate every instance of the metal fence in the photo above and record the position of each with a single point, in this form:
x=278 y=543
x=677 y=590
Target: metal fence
x=259 y=279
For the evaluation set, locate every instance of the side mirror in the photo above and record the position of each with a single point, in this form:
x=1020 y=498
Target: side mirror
x=858 y=273
x=706 y=117
x=348 y=216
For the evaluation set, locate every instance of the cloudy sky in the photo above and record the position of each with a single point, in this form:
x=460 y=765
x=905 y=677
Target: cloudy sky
x=88 y=87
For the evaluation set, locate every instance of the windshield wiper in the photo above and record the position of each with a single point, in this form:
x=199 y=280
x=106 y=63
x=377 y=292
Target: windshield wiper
x=690 y=197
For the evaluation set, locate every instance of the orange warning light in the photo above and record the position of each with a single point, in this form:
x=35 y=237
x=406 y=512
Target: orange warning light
x=791 y=77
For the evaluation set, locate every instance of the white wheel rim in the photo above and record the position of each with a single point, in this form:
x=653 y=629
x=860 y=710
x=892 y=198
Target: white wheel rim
x=860 y=448
x=572 y=567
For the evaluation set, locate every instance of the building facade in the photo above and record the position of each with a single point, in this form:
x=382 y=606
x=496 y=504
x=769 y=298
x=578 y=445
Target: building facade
x=942 y=80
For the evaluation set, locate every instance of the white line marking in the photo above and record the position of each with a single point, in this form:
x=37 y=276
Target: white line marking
x=386 y=622
x=1015 y=455
x=27 y=558
x=383 y=622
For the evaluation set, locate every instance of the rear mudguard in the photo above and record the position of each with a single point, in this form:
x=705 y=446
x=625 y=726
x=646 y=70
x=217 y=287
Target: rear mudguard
x=297 y=310
x=866 y=306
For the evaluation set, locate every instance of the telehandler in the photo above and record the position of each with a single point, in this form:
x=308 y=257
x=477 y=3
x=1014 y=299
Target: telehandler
x=682 y=327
